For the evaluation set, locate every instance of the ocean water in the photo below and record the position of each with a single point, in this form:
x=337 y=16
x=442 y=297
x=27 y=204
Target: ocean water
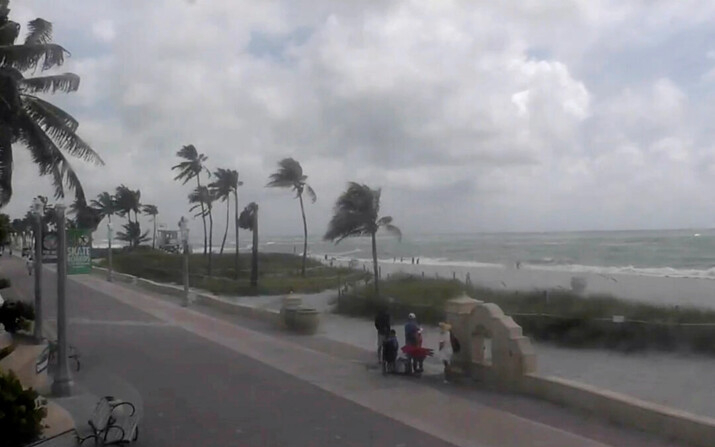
x=672 y=253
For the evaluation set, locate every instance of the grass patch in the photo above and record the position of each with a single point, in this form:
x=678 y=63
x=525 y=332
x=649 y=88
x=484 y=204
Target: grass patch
x=558 y=316
x=278 y=273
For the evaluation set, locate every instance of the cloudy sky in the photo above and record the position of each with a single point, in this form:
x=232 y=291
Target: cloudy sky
x=516 y=115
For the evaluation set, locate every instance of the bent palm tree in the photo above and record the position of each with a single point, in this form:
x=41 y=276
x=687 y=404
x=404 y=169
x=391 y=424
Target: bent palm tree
x=189 y=169
x=127 y=200
x=202 y=197
x=132 y=234
x=227 y=183
x=44 y=129
x=85 y=217
x=290 y=175
x=249 y=221
x=153 y=211
x=356 y=214
x=106 y=204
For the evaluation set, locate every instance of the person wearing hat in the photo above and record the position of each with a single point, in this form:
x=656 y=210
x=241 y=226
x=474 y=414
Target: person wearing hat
x=445 y=348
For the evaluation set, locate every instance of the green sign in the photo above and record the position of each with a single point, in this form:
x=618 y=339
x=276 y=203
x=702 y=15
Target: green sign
x=79 y=252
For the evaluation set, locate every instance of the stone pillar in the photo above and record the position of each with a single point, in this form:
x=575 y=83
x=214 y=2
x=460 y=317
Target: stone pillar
x=458 y=315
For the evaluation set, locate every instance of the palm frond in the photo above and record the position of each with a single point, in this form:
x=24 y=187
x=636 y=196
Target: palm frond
x=40 y=32
x=62 y=135
x=150 y=210
x=289 y=174
x=387 y=220
x=188 y=152
x=66 y=82
x=49 y=158
x=311 y=193
x=60 y=114
x=24 y=57
x=393 y=230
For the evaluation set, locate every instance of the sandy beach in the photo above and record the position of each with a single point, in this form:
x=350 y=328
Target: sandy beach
x=650 y=289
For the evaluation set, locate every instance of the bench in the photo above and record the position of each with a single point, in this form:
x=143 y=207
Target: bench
x=112 y=426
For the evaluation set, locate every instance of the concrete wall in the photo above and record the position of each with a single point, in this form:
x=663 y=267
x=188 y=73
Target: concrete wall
x=512 y=366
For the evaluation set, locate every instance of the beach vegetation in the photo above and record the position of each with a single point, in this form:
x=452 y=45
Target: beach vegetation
x=153 y=211
x=557 y=316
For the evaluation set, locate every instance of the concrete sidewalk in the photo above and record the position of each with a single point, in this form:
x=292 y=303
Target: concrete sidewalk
x=451 y=418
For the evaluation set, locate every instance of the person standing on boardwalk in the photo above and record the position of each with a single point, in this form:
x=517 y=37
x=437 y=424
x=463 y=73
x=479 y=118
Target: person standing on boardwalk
x=383 y=326
x=445 y=348
x=412 y=329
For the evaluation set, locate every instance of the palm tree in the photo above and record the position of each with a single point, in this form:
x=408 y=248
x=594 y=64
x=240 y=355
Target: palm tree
x=202 y=197
x=151 y=210
x=44 y=129
x=356 y=214
x=290 y=175
x=132 y=234
x=192 y=168
x=227 y=183
x=106 y=204
x=86 y=217
x=249 y=221
x=127 y=200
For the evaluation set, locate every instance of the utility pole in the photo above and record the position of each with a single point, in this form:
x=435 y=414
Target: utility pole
x=109 y=252
x=38 y=207
x=62 y=384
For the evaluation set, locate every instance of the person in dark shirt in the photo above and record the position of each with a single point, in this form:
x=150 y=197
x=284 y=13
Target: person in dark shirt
x=390 y=348
x=383 y=326
x=412 y=329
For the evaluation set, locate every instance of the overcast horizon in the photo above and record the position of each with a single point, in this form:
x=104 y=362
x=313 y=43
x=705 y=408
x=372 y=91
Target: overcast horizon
x=514 y=116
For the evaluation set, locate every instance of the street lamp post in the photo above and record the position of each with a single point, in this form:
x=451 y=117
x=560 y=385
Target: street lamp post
x=38 y=207
x=109 y=252
x=62 y=384
x=184 y=230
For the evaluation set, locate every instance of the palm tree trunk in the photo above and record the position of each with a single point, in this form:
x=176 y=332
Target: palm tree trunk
x=374 y=265
x=236 y=259
x=203 y=212
x=305 y=235
x=153 y=239
x=211 y=237
x=254 y=257
x=225 y=231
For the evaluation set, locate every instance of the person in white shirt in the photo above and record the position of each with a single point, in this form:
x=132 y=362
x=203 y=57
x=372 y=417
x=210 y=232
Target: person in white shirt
x=445 y=348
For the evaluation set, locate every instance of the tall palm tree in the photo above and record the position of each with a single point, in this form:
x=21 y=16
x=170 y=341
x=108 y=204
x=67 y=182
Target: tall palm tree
x=106 y=204
x=202 y=197
x=153 y=211
x=127 y=201
x=44 y=129
x=192 y=168
x=356 y=214
x=249 y=221
x=290 y=175
x=227 y=183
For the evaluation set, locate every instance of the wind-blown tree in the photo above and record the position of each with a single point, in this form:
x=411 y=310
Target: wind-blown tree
x=105 y=204
x=356 y=214
x=189 y=169
x=248 y=220
x=132 y=234
x=227 y=183
x=290 y=175
x=127 y=201
x=202 y=198
x=21 y=227
x=85 y=217
x=44 y=129
x=153 y=211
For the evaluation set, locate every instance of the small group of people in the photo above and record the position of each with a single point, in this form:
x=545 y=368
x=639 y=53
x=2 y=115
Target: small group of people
x=388 y=346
